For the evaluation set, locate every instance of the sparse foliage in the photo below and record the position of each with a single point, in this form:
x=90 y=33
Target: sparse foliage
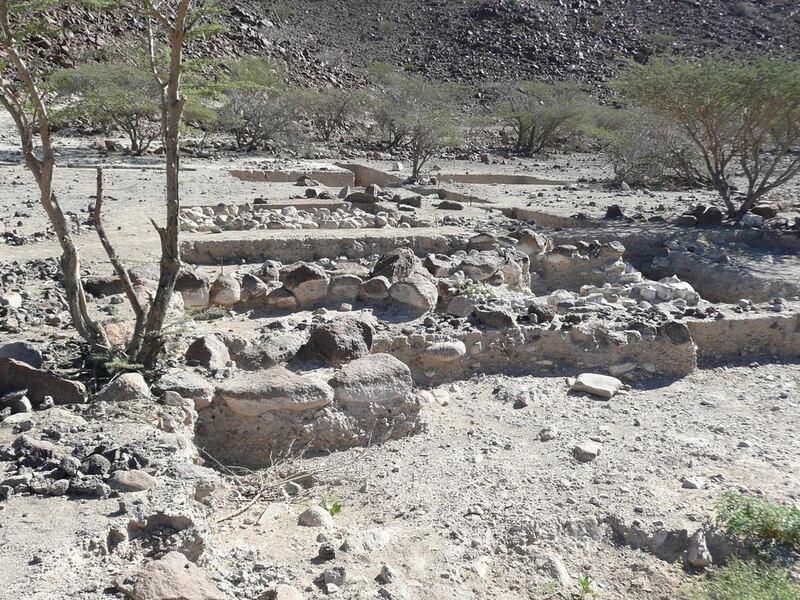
x=416 y=114
x=747 y=581
x=759 y=522
x=332 y=505
x=169 y=24
x=332 y=109
x=475 y=290
x=22 y=96
x=205 y=313
x=111 y=95
x=540 y=115
x=644 y=149
x=586 y=586
x=172 y=23
x=258 y=107
x=738 y=114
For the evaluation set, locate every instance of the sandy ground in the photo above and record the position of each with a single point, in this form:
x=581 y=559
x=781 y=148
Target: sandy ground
x=477 y=506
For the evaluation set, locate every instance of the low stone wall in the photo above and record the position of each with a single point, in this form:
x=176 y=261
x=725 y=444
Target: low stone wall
x=571 y=267
x=530 y=348
x=497 y=179
x=443 y=194
x=748 y=335
x=542 y=219
x=364 y=176
x=234 y=250
x=234 y=217
x=329 y=178
x=725 y=282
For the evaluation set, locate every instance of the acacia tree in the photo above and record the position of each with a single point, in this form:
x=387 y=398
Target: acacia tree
x=111 y=95
x=541 y=114
x=736 y=113
x=169 y=22
x=177 y=21
x=415 y=114
x=257 y=106
x=332 y=109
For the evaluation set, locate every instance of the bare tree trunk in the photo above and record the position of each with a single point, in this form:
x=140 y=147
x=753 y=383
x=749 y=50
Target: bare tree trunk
x=138 y=310
x=172 y=109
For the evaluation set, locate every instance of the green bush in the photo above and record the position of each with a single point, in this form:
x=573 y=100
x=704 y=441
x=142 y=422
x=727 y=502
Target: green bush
x=109 y=96
x=739 y=114
x=541 y=115
x=759 y=522
x=416 y=114
x=747 y=581
x=643 y=149
x=257 y=106
x=332 y=109
x=206 y=313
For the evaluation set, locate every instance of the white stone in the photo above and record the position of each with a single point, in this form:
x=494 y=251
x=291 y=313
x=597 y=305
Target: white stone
x=598 y=385
x=316 y=516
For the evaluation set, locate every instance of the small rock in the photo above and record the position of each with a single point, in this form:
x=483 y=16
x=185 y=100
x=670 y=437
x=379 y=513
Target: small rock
x=335 y=575
x=548 y=433
x=12 y=300
x=698 y=554
x=691 y=483
x=131 y=481
x=387 y=575
x=327 y=551
x=282 y=592
x=316 y=516
x=586 y=451
x=598 y=385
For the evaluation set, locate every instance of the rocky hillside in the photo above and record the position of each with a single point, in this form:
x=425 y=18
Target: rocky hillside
x=470 y=40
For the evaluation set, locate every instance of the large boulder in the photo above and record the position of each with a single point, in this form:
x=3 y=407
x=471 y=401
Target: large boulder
x=125 y=388
x=374 y=290
x=344 y=288
x=16 y=376
x=272 y=348
x=440 y=265
x=209 y=352
x=103 y=285
x=396 y=265
x=308 y=283
x=24 y=352
x=193 y=287
x=281 y=299
x=357 y=198
x=271 y=390
x=225 y=291
x=269 y=271
x=172 y=577
x=254 y=291
x=188 y=384
x=341 y=340
x=378 y=378
x=483 y=265
x=416 y=293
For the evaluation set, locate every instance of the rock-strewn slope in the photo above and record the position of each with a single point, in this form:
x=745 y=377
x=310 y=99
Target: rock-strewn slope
x=472 y=40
